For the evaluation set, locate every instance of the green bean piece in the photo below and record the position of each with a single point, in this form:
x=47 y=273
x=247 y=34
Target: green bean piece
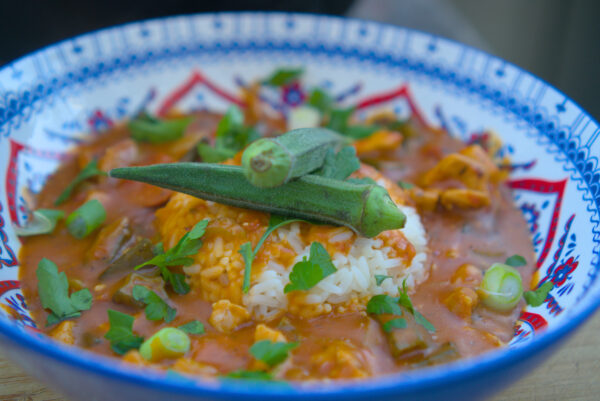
x=167 y=343
x=270 y=162
x=502 y=287
x=86 y=219
x=365 y=208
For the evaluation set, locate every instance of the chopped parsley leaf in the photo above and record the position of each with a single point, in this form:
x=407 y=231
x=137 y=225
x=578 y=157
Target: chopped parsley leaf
x=89 y=171
x=156 y=307
x=147 y=128
x=271 y=353
x=398 y=323
x=515 y=261
x=320 y=99
x=379 y=278
x=405 y=185
x=53 y=289
x=231 y=137
x=308 y=272
x=120 y=333
x=248 y=254
x=193 y=327
x=383 y=304
x=539 y=295
x=283 y=76
x=179 y=255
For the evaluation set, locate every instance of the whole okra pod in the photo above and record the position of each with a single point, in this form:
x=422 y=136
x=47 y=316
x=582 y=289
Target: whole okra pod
x=270 y=162
x=365 y=208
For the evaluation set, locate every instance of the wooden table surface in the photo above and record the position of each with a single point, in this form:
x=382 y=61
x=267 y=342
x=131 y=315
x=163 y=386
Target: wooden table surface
x=573 y=373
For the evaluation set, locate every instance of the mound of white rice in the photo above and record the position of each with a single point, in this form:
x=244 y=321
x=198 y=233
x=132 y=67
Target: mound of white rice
x=355 y=275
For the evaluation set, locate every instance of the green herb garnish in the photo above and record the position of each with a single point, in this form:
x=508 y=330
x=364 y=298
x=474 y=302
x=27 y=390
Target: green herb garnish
x=515 y=261
x=339 y=165
x=283 y=76
x=146 y=128
x=231 y=137
x=271 y=353
x=248 y=254
x=379 y=278
x=43 y=221
x=539 y=295
x=338 y=119
x=405 y=185
x=208 y=154
x=89 y=171
x=406 y=303
x=179 y=255
x=120 y=333
x=398 y=323
x=156 y=307
x=383 y=304
x=85 y=219
x=193 y=327
x=360 y=131
x=320 y=100
x=308 y=272
x=53 y=290
x=250 y=375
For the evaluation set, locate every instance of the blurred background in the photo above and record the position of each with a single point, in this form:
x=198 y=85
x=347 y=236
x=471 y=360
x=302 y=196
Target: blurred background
x=557 y=40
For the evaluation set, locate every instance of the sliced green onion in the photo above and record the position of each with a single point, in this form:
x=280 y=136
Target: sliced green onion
x=43 y=221
x=86 y=219
x=146 y=128
x=167 y=343
x=502 y=287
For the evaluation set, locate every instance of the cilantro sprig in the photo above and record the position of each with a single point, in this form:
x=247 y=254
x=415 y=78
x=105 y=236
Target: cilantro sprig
x=515 y=261
x=192 y=327
x=89 y=171
x=148 y=128
x=231 y=137
x=308 y=272
x=120 y=333
x=272 y=353
x=156 y=307
x=539 y=295
x=283 y=76
x=397 y=323
x=179 y=255
x=53 y=290
x=249 y=254
x=380 y=278
x=385 y=304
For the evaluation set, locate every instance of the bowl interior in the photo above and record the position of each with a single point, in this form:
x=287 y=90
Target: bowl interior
x=51 y=100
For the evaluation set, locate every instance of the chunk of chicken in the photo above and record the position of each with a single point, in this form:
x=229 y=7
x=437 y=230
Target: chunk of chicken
x=227 y=316
x=64 y=332
x=461 y=302
x=264 y=332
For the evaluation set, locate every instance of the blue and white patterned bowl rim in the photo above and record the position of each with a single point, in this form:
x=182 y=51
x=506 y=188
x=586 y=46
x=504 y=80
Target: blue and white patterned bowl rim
x=447 y=80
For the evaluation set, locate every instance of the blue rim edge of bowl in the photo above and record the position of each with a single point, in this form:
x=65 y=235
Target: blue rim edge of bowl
x=404 y=381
